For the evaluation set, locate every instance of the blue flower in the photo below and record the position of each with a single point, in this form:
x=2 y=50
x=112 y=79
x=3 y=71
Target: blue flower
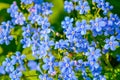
x=18 y=58
x=95 y=68
x=105 y=6
x=18 y=19
x=7 y=25
x=97 y=24
x=20 y=68
x=112 y=25
x=47 y=43
x=13 y=9
x=93 y=53
x=5 y=36
x=34 y=18
x=79 y=65
x=66 y=65
x=45 y=77
x=49 y=64
x=46 y=8
x=15 y=75
x=68 y=6
x=35 y=39
x=81 y=45
x=71 y=34
x=82 y=7
x=35 y=10
x=69 y=76
x=44 y=33
x=27 y=31
x=61 y=44
x=109 y=27
x=67 y=22
x=26 y=42
x=8 y=65
x=113 y=20
x=5 y=30
x=39 y=52
x=43 y=22
x=82 y=27
x=111 y=43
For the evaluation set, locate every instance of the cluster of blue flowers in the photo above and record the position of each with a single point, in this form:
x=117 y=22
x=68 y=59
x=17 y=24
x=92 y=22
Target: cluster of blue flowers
x=58 y=58
x=82 y=6
x=13 y=66
x=105 y=6
x=37 y=37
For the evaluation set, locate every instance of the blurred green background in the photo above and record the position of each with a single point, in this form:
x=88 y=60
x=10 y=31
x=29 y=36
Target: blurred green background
x=56 y=18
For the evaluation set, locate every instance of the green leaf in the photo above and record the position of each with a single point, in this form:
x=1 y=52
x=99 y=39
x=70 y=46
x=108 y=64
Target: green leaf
x=28 y=53
x=4 y=6
x=30 y=75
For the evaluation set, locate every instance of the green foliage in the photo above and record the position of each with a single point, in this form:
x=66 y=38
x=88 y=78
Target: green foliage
x=4 y=6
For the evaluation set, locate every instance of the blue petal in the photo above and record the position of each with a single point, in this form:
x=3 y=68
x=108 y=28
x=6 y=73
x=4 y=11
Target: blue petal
x=46 y=60
x=45 y=66
x=106 y=46
x=112 y=38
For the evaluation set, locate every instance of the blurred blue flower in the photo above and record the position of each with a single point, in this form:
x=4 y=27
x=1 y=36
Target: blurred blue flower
x=13 y=9
x=33 y=65
x=68 y=6
x=118 y=57
x=2 y=71
x=18 y=19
